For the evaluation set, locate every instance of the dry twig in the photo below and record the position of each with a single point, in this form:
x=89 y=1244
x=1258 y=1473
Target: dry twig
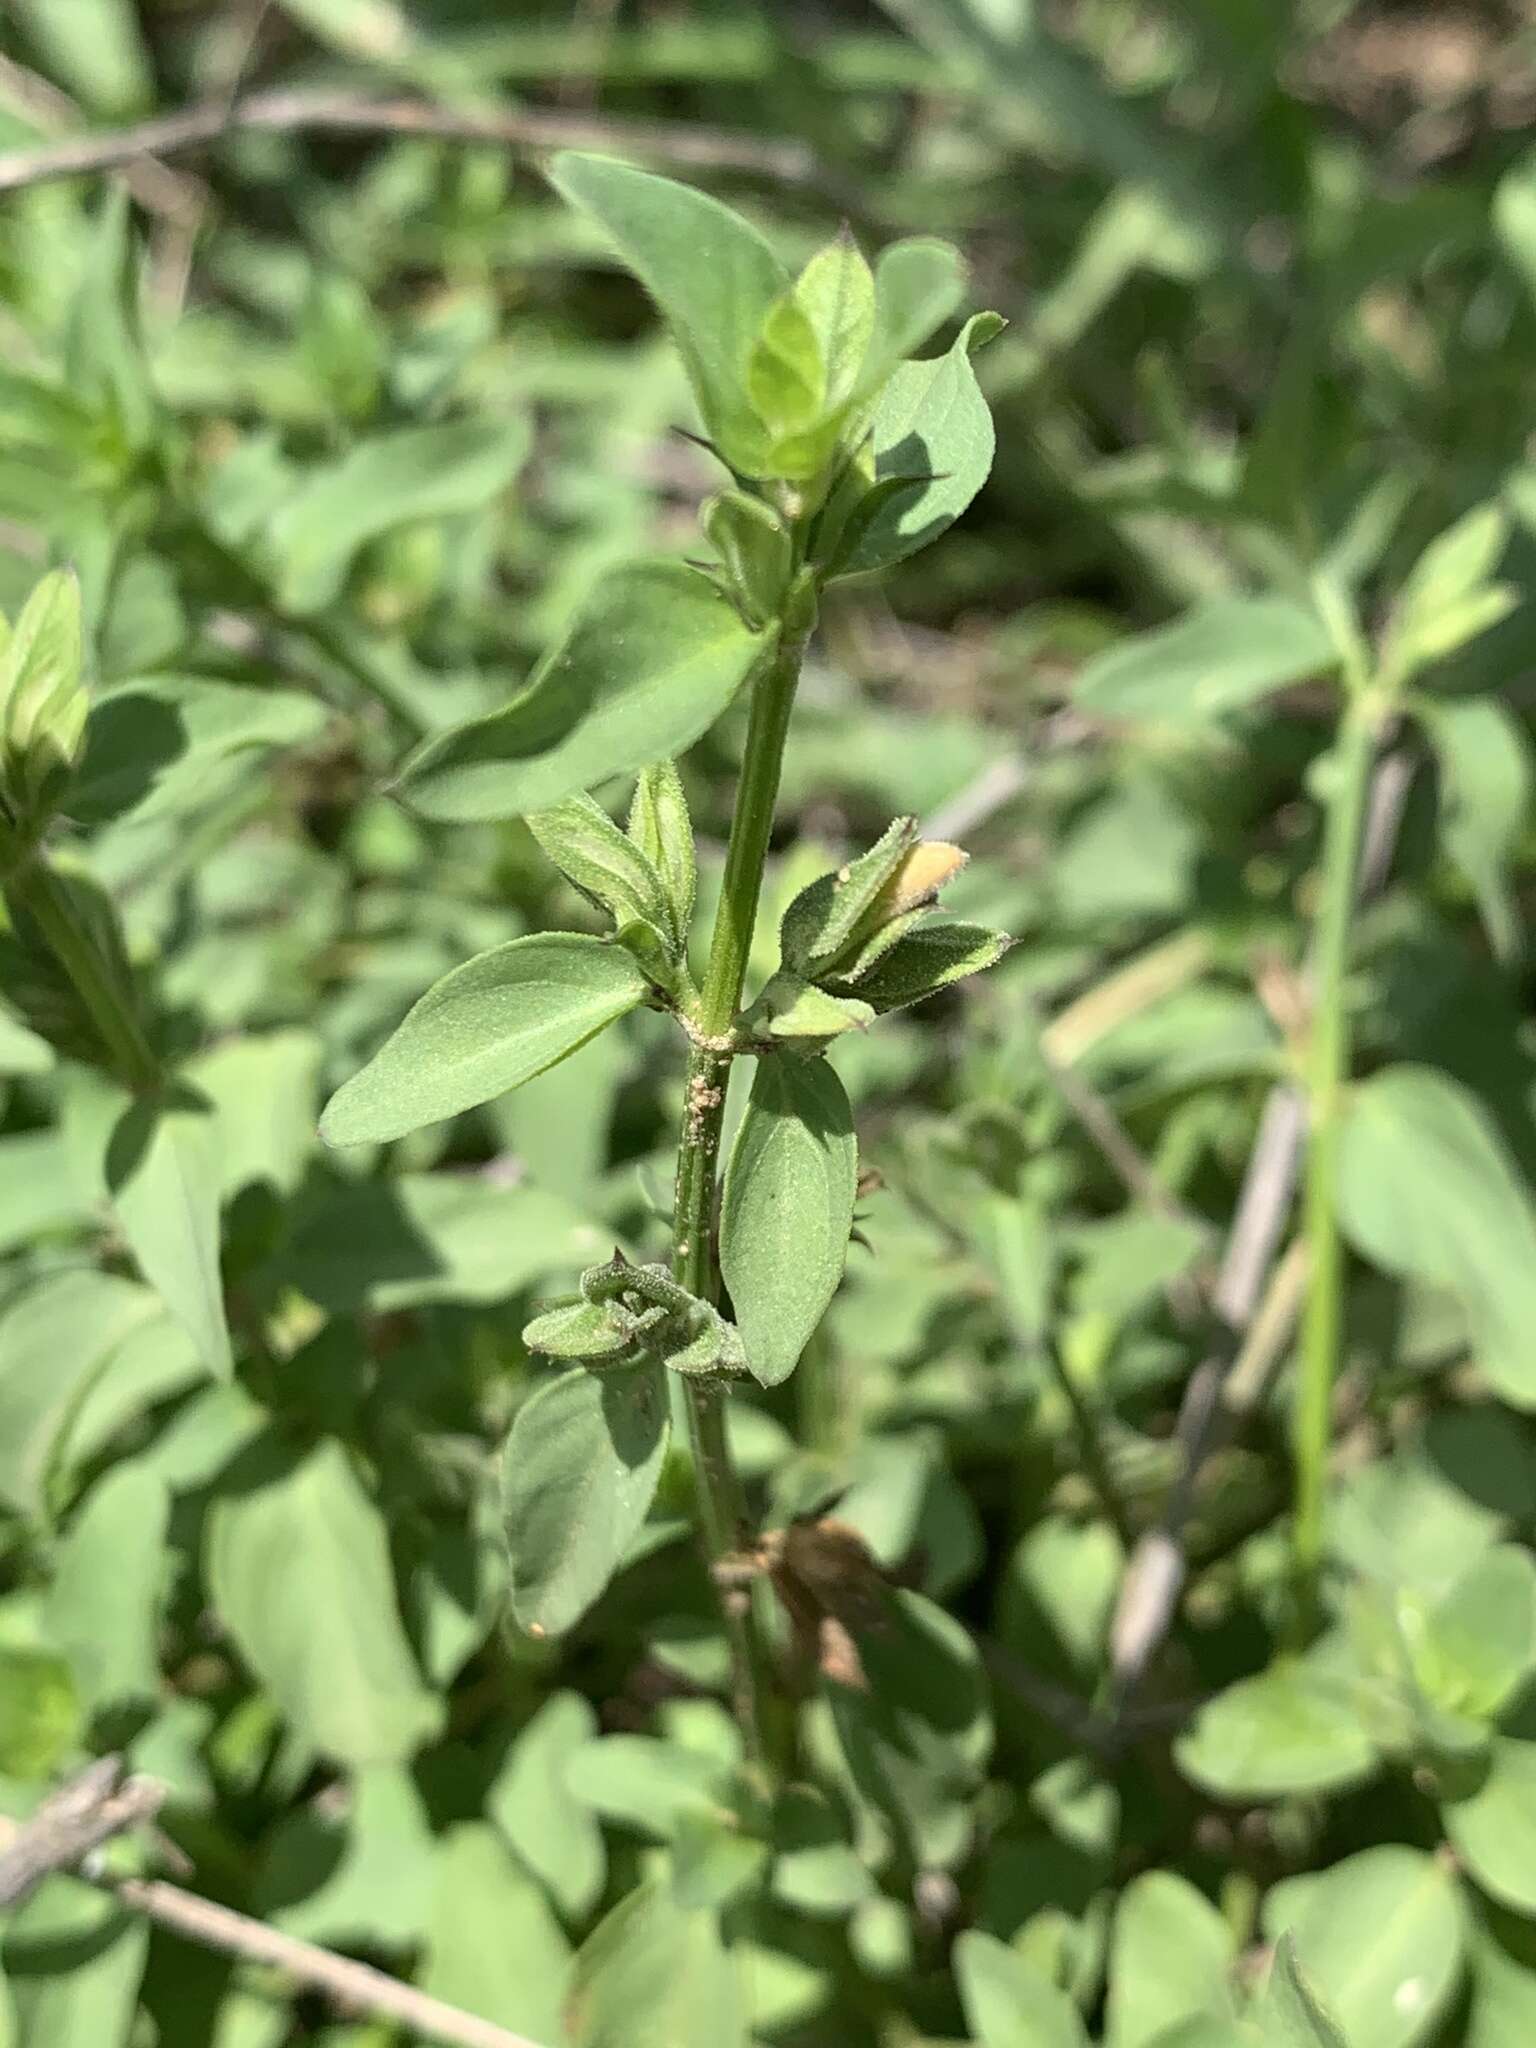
x=1244 y=1296
x=77 y=1819
x=322 y=112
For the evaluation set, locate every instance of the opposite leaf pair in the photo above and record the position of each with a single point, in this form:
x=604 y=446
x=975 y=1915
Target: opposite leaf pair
x=626 y=1313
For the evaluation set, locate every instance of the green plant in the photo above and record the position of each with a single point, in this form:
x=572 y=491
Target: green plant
x=1103 y=1391
x=844 y=456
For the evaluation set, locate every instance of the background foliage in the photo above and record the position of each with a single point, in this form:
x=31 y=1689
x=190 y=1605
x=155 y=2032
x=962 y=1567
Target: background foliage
x=336 y=428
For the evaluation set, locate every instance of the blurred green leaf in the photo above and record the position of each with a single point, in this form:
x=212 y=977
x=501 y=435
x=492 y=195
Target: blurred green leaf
x=1426 y=1190
x=1170 y=1960
x=432 y=472
x=1219 y=659
x=1292 y=1729
x=104 y=1605
x=493 y=1946
x=1493 y=1830
x=298 y=1569
x=1485 y=794
x=1379 y=1937
x=1008 y=2002
x=655 y=1974
x=535 y=1803
x=578 y=1474
x=163 y=1172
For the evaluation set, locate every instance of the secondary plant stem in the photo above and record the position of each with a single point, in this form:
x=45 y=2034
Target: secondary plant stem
x=721 y=1504
x=1327 y=1071
x=38 y=892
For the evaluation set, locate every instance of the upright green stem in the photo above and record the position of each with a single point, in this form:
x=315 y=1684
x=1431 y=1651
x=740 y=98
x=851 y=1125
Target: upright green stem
x=721 y=1503
x=1327 y=1073
x=37 y=891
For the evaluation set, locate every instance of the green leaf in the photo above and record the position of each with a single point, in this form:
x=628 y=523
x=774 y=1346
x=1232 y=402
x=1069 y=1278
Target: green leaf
x=75 y=1959
x=1289 y=2014
x=1494 y=1830
x=534 y=1802
x=39 y=1712
x=104 y=361
x=1485 y=799
x=660 y=826
x=834 y=912
x=578 y=1473
x=1514 y=218
x=1221 y=658
x=655 y=1974
x=755 y=550
x=579 y=1329
x=1292 y=1729
x=152 y=743
x=298 y=1569
x=930 y=422
x=790 y=1008
x=651 y=1785
x=43 y=701
x=1008 y=2002
x=1477 y=1644
x=1427 y=1191
x=95 y=49
x=1447 y=598
x=21 y=1050
x=650 y=662
x=263 y=1091
x=786 y=374
x=836 y=293
x=929 y=957
x=711 y=273
x=494 y=1947
x=103 y=1608
x=787 y=1209
x=918 y=284
x=491 y=1024
x=917 y=1735
x=58 y=1340
x=1502 y=2007
x=608 y=868
x=1170 y=1959
x=163 y=1172
x=395 y=479
x=1380 y=1939
x=423 y=1237
x=363 y=1879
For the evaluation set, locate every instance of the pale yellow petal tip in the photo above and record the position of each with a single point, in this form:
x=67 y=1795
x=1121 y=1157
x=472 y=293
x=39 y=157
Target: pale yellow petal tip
x=924 y=872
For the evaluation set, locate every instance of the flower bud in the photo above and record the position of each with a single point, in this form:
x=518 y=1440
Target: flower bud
x=43 y=702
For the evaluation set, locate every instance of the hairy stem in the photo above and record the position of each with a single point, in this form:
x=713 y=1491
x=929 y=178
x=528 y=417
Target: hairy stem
x=721 y=1504
x=1328 y=1062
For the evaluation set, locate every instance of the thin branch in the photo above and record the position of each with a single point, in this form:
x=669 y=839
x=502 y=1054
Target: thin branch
x=70 y=1823
x=1248 y=1292
x=352 y=1987
x=980 y=799
x=73 y=1822
x=290 y=111
x=1134 y=1171
x=176 y=198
